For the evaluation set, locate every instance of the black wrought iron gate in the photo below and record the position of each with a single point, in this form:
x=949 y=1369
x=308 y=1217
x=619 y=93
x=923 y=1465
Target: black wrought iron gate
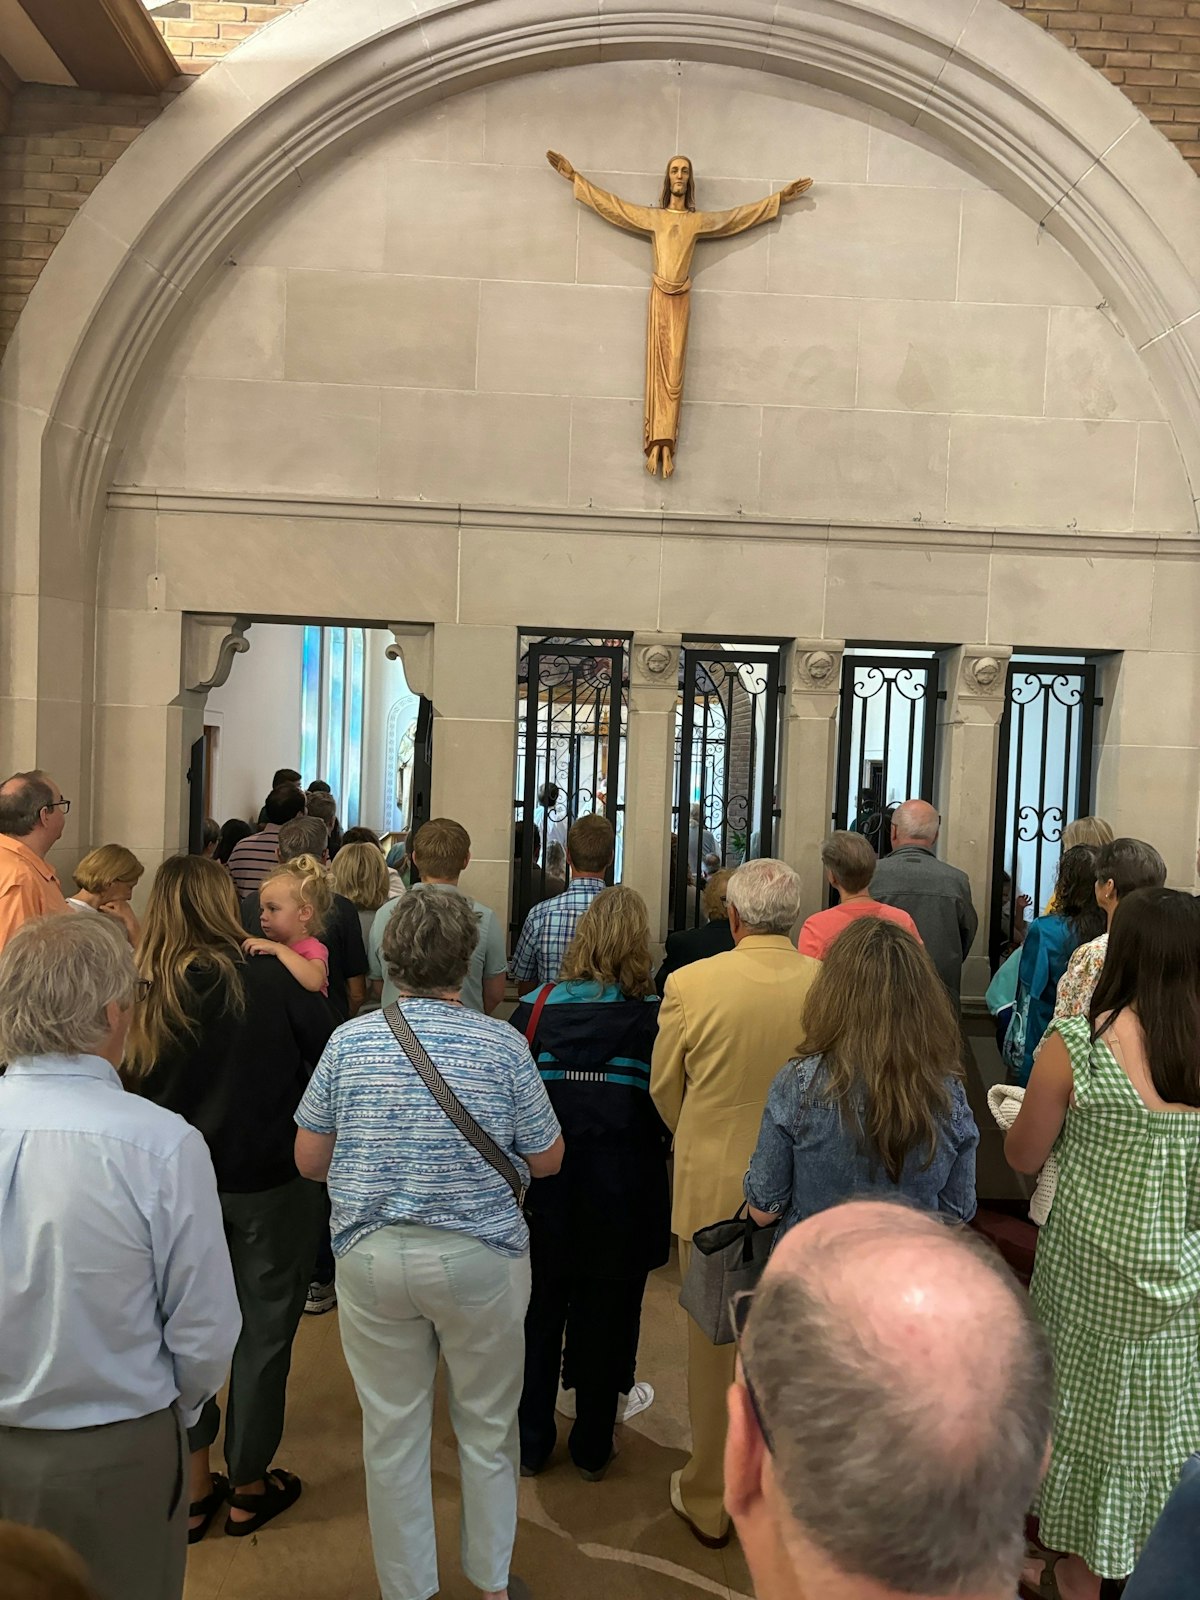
x=887 y=740
x=726 y=749
x=572 y=696
x=1045 y=779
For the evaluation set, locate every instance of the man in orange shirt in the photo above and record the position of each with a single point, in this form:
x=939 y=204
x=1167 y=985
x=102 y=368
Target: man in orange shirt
x=33 y=814
x=849 y=861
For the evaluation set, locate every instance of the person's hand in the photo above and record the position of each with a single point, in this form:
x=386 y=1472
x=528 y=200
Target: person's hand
x=259 y=947
x=120 y=911
x=561 y=164
x=1024 y=901
x=794 y=190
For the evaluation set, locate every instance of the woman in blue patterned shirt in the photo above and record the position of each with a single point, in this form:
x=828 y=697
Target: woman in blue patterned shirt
x=432 y=1251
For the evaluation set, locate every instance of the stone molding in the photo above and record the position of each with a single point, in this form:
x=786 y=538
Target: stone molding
x=1071 y=151
x=647 y=524
x=209 y=645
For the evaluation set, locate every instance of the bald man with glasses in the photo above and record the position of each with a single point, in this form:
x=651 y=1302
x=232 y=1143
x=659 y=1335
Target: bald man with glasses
x=890 y=1415
x=33 y=815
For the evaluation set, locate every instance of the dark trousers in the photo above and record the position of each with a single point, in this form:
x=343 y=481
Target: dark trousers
x=323 y=1267
x=600 y=1317
x=116 y=1494
x=272 y=1237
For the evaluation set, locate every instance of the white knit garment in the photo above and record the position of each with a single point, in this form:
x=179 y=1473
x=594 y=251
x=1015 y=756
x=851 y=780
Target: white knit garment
x=1004 y=1101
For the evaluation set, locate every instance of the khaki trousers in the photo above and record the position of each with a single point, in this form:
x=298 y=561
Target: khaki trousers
x=710 y=1372
x=116 y=1494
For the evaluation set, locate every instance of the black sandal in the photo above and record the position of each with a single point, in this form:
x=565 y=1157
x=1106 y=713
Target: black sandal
x=283 y=1490
x=208 y=1507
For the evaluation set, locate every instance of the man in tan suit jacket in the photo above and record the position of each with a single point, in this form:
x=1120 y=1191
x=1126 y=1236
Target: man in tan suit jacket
x=726 y=1026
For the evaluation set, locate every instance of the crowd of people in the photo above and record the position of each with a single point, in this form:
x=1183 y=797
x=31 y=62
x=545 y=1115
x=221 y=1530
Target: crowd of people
x=286 y=1086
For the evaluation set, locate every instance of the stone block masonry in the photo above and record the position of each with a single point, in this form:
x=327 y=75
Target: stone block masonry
x=1149 y=48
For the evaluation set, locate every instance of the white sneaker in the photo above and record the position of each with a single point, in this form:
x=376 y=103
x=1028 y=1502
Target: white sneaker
x=640 y=1398
x=322 y=1297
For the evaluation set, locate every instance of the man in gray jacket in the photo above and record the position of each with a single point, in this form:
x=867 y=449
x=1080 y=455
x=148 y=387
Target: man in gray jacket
x=936 y=895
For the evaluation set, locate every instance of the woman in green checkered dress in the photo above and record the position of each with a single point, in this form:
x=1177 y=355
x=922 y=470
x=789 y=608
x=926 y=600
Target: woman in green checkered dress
x=1117 y=1280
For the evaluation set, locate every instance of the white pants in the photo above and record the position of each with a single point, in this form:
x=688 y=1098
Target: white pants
x=404 y=1294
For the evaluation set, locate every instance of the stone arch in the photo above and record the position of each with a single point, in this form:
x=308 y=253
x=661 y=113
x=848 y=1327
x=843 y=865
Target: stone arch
x=1044 y=128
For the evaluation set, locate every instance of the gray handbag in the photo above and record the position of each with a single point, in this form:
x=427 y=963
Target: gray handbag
x=726 y=1257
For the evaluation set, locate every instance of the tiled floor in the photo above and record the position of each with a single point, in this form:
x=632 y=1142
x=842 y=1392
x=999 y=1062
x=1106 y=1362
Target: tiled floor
x=616 y=1540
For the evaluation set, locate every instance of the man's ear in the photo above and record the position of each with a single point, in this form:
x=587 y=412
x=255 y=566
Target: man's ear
x=745 y=1454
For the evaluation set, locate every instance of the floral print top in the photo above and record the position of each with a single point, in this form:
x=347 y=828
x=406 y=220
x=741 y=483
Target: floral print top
x=1078 y=982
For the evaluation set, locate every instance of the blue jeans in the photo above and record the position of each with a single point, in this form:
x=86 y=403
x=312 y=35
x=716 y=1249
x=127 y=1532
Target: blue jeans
x=1169 y=1565
x=404 y=1294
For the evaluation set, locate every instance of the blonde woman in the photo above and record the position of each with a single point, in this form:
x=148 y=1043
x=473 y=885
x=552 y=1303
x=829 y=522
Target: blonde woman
x=875 y=1104
x=228 y=1042
x=602 y=1223
x=104 y=881
x=360 y=873
x=686 y=945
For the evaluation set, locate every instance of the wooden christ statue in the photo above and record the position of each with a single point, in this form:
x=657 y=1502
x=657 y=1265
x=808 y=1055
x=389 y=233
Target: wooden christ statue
x=674 y=225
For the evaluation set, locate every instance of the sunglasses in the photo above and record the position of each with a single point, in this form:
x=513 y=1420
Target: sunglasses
x=739 y=1315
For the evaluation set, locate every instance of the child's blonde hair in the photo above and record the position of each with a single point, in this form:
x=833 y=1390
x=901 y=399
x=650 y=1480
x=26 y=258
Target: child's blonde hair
x=309 y=882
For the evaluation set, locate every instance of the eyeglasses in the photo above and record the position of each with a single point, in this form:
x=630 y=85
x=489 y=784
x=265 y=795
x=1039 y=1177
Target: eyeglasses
x=739 y=1315
x=58 y=805
x=144 y=986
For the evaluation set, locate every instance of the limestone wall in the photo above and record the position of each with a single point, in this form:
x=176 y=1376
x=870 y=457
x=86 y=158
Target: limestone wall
x=436 y=319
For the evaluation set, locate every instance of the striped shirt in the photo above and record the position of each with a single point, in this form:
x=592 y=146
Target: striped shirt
x=398 y=1157
x=251 y=859
x=549 y=929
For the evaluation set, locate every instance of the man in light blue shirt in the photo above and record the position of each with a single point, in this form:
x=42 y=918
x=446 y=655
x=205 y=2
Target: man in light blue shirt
x=442 y=853
x=116 y=1293
x=550 y=926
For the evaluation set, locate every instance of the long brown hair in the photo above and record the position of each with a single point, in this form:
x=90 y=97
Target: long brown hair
x=191 y=921
x=1152 y=967
x=612 y=944
x=880 y=1018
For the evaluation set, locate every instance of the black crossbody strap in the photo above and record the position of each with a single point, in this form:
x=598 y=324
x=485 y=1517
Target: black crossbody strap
x=451 y=1104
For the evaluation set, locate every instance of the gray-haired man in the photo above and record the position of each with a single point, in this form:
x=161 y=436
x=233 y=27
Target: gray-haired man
x=726 y=1026
x=116 y=1294
x=936 y=895
x=891 y=1415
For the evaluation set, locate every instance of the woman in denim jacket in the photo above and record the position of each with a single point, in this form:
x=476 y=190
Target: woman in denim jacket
x=876 y=1105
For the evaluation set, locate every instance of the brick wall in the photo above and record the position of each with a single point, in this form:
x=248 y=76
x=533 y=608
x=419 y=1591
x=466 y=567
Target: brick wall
x=58 y=145
x=200 y=32
x=1150 y=48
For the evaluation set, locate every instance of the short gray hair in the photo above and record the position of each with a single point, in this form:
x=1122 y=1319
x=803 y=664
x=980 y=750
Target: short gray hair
x=766 y=896
x=429 y=940
x=20 y=809
x=920 y=1497
x=303 y=836
x=917 y=820
x=57 y=975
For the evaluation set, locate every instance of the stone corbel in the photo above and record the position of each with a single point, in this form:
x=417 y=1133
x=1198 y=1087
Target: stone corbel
x=815 y=676
x=412 y=646
x=209 y=646
x=977 y=678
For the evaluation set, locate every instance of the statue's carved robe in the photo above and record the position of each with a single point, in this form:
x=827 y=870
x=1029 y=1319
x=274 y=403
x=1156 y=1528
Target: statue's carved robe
x=674 y=234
